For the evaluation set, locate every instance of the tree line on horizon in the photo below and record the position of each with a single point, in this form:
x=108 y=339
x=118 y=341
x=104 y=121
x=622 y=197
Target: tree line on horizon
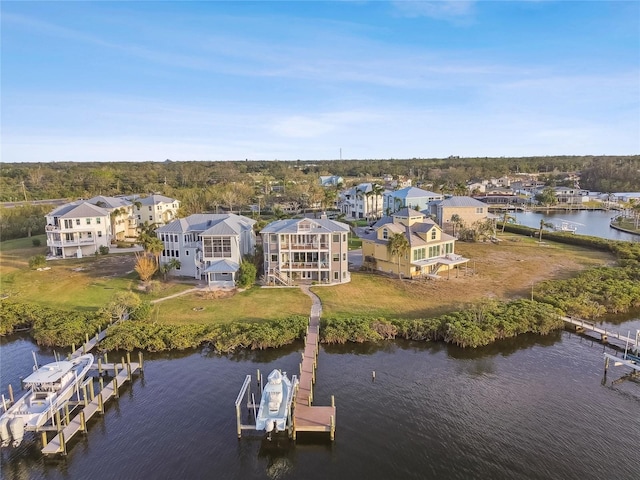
x=48 y=180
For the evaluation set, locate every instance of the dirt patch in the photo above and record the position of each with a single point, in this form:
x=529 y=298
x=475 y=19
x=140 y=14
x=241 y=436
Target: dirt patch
x=215 y=294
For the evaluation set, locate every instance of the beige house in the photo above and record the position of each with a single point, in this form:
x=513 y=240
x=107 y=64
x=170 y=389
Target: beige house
x=430 y=250
x=468 y=211
x=305 y=250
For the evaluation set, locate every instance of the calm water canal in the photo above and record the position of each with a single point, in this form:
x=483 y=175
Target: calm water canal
x=595 y=223
x=529 y=408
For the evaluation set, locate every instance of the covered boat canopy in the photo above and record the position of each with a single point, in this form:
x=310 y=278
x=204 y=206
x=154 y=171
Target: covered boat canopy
x=49 y=373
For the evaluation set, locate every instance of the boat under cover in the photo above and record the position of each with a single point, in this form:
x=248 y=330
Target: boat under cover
x=48 y=388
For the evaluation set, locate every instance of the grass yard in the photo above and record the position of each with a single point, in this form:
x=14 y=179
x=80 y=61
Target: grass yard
x=250 y=305
x=504 y=271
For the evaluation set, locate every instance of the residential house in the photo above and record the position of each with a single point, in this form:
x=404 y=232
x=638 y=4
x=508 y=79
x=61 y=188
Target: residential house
x=362 y=201
x=209 y=247
x=331 y=180
x=154 y=209
x=410 y=197
x=468 y=211
x=430 y=251
x=77 y=229
x=311 y=250
x=123 y=223
x=400 y=181
x=571 y=195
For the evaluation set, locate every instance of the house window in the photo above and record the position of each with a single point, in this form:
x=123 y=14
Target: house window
x=98 y=220
x=344 y=237
x=150 y=218
x=217 y=247
x=336 y=257
x=186 y=253
x=149 y=207
x=336 y=275
x=336 y=237
x=68 y=224
x=274 y=257
x=344 y=256
x=433 y=234
x=77 y=221
x=99 y=234
x=139 y=217
x=479 y=210
x=88 y=221
x=385 y=233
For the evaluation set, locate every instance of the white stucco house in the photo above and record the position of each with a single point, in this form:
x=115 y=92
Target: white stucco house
x=410 y=197
x=209 y=247
x=77 y=229
x=154 y=209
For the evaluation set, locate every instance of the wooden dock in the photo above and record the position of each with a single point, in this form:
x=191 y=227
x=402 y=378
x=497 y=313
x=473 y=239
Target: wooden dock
x=86 y=399
x=583 y=326
x=92 y=404
x=307 y=417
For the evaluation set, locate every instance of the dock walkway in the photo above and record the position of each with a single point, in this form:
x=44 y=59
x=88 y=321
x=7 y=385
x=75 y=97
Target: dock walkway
x=306 y=417
x=605 y=335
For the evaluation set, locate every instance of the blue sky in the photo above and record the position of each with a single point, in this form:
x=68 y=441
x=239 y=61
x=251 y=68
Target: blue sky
x=140 y=81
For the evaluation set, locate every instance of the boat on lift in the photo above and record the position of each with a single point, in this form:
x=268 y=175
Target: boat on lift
x=48 y=388
x=275 y=404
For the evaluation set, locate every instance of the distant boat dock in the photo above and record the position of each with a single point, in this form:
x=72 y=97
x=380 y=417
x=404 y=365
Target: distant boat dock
x=606 y=336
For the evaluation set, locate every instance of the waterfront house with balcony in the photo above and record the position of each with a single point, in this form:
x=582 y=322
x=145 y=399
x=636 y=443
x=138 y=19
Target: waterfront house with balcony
x=362 y=201
x=305 y=250
x=209 y=247
x=77 y=229
x=430 y=250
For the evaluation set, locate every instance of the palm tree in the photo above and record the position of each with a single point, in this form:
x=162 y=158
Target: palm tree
x=377 y=190
x=457 y=222
x=398 y=246
x=154 y=246
x=507 y=218
x=543 y=225
x=172 y=264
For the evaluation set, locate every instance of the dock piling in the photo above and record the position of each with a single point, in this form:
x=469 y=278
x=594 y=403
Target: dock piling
x=11 y=394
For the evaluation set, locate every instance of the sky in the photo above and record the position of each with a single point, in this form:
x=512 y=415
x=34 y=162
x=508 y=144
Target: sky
x=266 y=80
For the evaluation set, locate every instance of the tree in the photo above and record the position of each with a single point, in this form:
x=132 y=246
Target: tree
x=457 y=221
x=37 y=261
x=154 y=246
x=398 y=246
x=247 y=274
x=507 y=218
x=172 y=264
x=146 y=266
x=543 y=225
x=547 y=197
x=377 y=190
x=122 y=304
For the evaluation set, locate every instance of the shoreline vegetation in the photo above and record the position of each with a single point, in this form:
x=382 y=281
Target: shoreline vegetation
x=590 y=294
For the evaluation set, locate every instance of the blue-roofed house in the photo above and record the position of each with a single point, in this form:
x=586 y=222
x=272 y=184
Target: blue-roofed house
x=305 y=250
x=410 y=197
x=209 y=247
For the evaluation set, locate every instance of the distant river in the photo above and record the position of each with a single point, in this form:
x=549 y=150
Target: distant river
x=528 y=408
x=595 y=223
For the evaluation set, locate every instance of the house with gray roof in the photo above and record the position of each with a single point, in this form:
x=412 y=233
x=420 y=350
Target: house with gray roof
x=305 y=250
x=209 y=247
x=362 y=201
x=410 y=197
x=154 y=209
x=459 y=210
x=77 y=229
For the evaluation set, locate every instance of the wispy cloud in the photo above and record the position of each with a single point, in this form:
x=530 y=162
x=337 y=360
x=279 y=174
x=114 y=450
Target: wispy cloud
x=453 y=10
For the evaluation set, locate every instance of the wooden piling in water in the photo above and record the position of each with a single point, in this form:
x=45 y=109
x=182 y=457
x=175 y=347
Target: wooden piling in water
x=140 y=361
x=11 y=394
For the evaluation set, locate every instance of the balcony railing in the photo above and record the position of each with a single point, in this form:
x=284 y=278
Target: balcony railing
x=303 y=246
x=304 y=266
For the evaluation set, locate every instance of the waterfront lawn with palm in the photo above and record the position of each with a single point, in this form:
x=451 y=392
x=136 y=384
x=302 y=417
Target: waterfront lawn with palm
x=501 y=271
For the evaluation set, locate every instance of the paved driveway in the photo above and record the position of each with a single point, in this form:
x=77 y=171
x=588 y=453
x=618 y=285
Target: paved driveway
x=355 y=259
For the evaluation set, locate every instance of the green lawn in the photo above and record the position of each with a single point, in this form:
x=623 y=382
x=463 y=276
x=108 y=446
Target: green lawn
x=251 y=305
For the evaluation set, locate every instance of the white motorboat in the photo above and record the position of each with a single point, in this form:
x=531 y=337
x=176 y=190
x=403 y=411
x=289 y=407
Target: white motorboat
x=275 y=404
x=48 y=388
x=565 y=227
